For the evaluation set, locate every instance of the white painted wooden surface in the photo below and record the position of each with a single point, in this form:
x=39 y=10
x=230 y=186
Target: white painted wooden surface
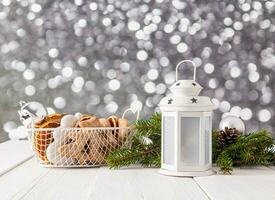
x=244 y=184
x=29 y=181
x=137 y=184
x=12 y=153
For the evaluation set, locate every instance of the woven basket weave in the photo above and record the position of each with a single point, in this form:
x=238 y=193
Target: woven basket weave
x=76 y=147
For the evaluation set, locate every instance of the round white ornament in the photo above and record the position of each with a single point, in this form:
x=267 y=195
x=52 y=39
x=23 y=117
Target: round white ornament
x=31 y=112
x=78 y=115
x=232 y=122
x=68 y=121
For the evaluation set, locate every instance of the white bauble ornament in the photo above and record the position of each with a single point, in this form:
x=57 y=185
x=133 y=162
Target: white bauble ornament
x=78 y=115
x=31 y=112
x=232 y=122
x=68 y=121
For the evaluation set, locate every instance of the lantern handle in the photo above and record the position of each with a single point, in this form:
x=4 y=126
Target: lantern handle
x=185 y=61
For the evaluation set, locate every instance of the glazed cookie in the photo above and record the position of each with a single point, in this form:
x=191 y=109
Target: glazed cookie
x=53 y=155
x=68 y=121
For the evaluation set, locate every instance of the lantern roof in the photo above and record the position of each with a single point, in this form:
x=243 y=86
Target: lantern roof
x=185 y=95
x=186 y=88
x=186 y=103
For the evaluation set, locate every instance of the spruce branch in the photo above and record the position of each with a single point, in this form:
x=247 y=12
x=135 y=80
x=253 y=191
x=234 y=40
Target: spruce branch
x=135 y=151
x=249 y=150
x=147 y=157
x=225 y=163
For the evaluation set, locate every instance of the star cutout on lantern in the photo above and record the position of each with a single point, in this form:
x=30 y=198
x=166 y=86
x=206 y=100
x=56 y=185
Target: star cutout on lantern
x=193 y=100
x=177 y=84
x=170 y=101
x=194 y=84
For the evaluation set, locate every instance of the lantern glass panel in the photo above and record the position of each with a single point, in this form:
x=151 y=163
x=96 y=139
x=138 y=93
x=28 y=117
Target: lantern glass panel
x=207 y=139
x=190 y=140
x=168 y=140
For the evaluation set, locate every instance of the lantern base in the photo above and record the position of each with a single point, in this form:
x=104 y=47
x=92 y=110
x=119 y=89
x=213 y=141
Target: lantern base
x=186 y=174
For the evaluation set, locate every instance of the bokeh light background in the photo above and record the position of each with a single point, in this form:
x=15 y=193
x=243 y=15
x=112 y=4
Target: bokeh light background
x=99 y=56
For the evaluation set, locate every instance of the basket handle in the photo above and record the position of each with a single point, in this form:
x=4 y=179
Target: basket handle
x=185 y=61
x=137 y=112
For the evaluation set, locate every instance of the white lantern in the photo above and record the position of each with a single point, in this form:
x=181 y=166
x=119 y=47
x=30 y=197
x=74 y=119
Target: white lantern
x=186 y=130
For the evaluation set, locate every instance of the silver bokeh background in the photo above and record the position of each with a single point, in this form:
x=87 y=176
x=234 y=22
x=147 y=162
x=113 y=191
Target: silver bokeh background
x=99 y=56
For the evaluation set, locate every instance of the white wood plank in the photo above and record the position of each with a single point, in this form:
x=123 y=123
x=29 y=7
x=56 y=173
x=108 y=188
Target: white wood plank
x=244 y=184
x=20 y=178
x=156 y=186
x=115 y=185
x=137 y=184
x=31 y=181
x=13 y=153
x=69 y=184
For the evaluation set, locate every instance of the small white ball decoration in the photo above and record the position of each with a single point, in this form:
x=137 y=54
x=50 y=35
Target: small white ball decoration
x=78 y=115
x=232 y=122
x=68 y=121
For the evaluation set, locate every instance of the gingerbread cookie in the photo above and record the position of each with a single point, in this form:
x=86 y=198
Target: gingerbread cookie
x=108 y=133
x=82 y=118
x=91 y=122
x=68 y=121
x=91 y=146
x=83 y=146
x=113 y=121
x=123 y=125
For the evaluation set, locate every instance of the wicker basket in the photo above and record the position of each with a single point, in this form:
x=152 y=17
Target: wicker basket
x=76 y=147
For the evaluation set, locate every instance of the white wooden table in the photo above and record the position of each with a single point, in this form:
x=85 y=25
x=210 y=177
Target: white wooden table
x=22 y=178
